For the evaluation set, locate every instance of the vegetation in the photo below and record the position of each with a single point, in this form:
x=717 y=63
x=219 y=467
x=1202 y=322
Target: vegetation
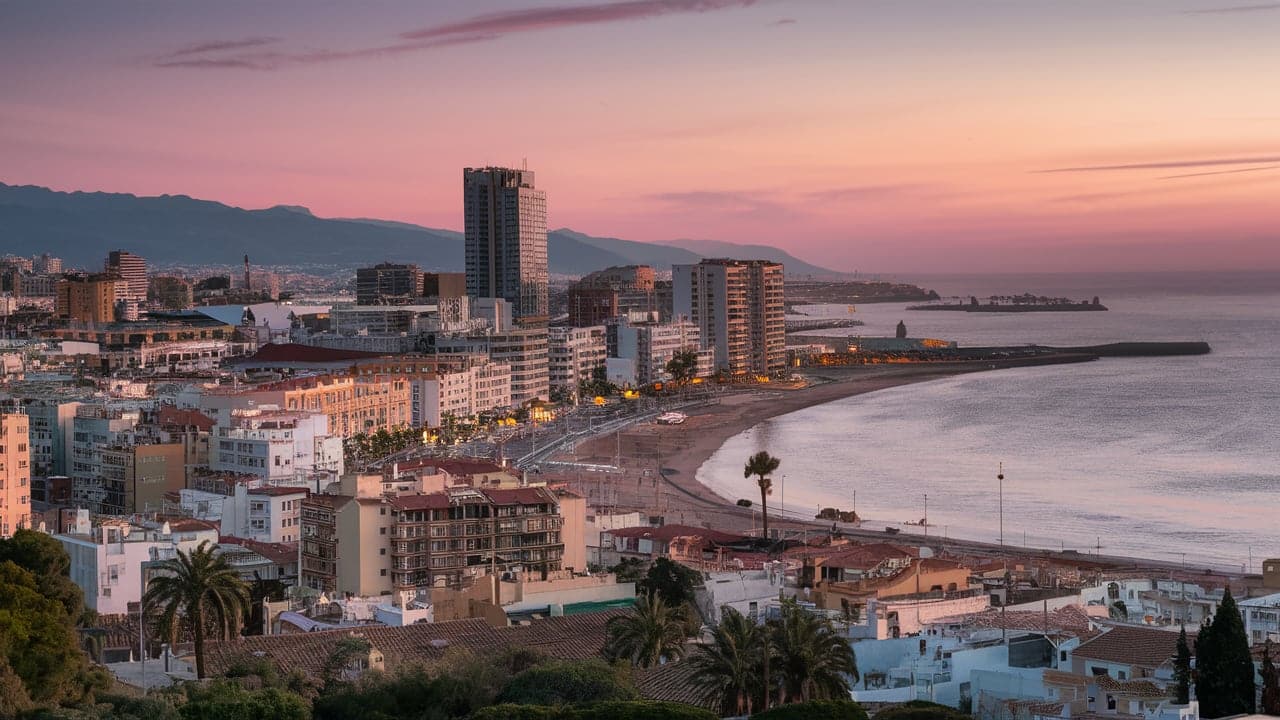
x=762 y=465
x=816 y=710
x=921 y=710
x=653 y=634
x=813 y=659
x=1182 y=669
x=613 y=710
x=683 y=367
x=562 y=683
x=1270 y=683
x=361 y=448
x=671 y=581
x=1224 y=665
x=727 y=670
x=199 y=590
x=224 y=700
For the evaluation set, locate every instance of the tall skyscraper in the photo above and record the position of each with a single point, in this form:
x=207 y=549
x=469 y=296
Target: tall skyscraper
x=738 y=308
x=506 y=240
x=132 y=269
x=15 y=473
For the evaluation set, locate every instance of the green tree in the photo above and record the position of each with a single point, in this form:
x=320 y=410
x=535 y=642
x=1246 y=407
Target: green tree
x=671 y=581
x=225 y=700
x=653 y=634
x=813 y=661
x=921 y=710
x=201 y=590
x=683 y=367
x=46 y=559
x=38 y=645
x=569 y=682
x=816 y=710
x=727 y=670
x=1270 y=683
x=1224 y=666
x=1182 y=669
x=642 y=710
x=762 y=465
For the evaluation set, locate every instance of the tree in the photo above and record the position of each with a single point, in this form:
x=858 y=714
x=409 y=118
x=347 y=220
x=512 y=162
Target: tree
x=1182 y=669
x=683 y=367
x=727 y=670
x=814 y=709
x=47 y=560
x=1270 y=683
x=651 y=635
x=762 y=465
x=921 y=710
x=1224 y=666
x=672 y=582
x=225 y=700
x=38 y=645
x=197 y=588
x=813 y=661
x=561 y=683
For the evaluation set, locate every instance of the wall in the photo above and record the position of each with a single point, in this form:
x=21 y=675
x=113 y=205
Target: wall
x=573 y=533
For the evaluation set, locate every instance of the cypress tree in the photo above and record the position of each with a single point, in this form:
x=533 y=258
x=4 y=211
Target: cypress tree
x=1182 y=668
x=1270 y=683
x=1224 y=665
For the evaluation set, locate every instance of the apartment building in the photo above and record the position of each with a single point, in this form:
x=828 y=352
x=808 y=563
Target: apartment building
x=50 y=422
x=132 y=271
x=574 y=355
x=389 y=284
x=353 y=403
x=523 y=350
x=90 y=300
x=738 y=308
x=505 y=228
x=639 y=352
x=136 y=475
x=94 y=429
x=280 y=446
x=15 y=473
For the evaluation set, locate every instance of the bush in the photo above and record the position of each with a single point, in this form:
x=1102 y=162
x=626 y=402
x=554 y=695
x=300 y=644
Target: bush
x=228 y=701
x=921 y=710
x=644 y=710
x=509 y=711
x=815 y=710
x=563 y=683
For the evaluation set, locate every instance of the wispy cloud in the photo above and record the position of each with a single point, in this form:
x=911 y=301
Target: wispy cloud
x=245 y=54
x=756 y=203
x=784 y=21
x=1233 y=9
x=860 y=192
x=1220 y=172
x=1167 y=164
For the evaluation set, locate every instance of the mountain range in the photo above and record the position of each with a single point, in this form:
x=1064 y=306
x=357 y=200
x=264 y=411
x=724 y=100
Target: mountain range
x=81 y=227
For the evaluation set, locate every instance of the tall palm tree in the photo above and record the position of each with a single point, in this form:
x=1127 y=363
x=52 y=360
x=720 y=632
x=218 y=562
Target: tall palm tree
x=813 y=661
x=762 y=465
x=194 y=589
x=727 y=670
x=653 y=634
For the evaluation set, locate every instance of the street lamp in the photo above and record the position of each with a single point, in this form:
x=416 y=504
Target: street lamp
x=1000 y=477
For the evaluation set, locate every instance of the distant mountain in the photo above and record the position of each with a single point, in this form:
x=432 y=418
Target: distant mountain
x=81 y=227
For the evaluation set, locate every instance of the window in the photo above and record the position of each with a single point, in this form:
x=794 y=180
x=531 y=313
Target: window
x=382 y=531
x=383 y=572
x=382 y=551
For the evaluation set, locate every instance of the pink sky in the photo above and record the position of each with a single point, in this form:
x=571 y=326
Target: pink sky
x=889 y=136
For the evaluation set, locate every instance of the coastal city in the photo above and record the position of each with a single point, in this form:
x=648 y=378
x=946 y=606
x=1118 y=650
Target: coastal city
x=639 y=360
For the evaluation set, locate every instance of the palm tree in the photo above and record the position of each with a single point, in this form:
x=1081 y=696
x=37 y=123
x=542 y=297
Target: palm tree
x=814 y=661
x=727 y=670
x=195 y=588
x=651 y=635
x=762 y=464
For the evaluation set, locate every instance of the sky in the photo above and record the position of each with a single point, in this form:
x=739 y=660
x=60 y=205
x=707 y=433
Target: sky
x=874 y=136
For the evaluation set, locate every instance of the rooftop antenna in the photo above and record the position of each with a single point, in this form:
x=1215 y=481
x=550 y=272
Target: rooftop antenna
x=524 y=163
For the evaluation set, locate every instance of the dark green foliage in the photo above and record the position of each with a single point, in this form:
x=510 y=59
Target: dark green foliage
x=921 y=710
x=728 y=669
x=200 y=590
x=38 y=645
x=815 y=710
x=509 y=711
x=762 y=465
x=643 y=710
x=813 y=661
x=629 y=570
x=671 y=581
x=1182 y=669
x=46 y=559
x=562 y=683
x=224 y=700
x=1224 y=666
x=1270 y=683
x=683 y=366
x=653 y=634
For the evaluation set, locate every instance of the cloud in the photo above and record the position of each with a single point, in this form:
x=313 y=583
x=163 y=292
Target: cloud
x=1220 y=172
x=784 y=21
x=1166 y=165
x=479 y=28
x=745 y=202
x=1261 y=7
x=858 y=192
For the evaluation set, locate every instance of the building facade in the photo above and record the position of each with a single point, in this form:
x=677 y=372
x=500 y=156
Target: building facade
x=505 y=220
x=280 y=446
x=132 y=271
x=639 y=352
x=738 y=308
x=574 y=355
x=15 y=473
x=389 y=284
x=86 y=300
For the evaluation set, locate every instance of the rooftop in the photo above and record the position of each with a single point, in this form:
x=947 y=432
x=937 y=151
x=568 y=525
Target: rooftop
x=667 y=533
x=1144 y=647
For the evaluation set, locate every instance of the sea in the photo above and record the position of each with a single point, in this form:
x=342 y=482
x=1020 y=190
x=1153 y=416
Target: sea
x=1174 y=459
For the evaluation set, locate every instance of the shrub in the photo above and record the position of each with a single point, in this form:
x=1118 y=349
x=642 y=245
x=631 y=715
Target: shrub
x=644 y=710
x=815 y=710
x=510 y=711
x=563 y=683
x=921 y=710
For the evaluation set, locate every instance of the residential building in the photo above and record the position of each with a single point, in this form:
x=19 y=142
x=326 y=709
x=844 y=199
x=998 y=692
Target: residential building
x=738 y=308
x=345 y=545
x=389 y=284
x=639 y=352
x=15 y=473
x=1125 y=652
x=462 y=393
x=132 y=271
x=136 y=475
x=524 y=350
x=280 y=446
x=612 y=292
x=254 y=560
x=505 y=220
x=575 y=355
x=171 y=293
x=50 y=428
x=46 y=264
x=354 y=404
x=113 y=560
x=254 y=511
x=94 y=429
x=1261 y=618
x=86 y=299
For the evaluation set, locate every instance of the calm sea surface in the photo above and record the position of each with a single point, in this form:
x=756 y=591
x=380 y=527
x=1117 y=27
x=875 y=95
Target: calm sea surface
x=1158 y=457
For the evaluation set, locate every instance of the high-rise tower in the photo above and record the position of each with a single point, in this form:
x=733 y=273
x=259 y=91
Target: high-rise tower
x=506 y=240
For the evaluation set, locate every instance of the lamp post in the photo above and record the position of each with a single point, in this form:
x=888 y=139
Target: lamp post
x=1000 y=477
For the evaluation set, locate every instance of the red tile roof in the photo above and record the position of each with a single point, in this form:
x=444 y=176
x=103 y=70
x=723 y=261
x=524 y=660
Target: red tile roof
x=1069 y=619
x=671 y=683
x=518 y=496
x=431 y=501
x=1143 y=647
x=278 y=553
x=191 y=525
x=667 y=533
x=170 y=415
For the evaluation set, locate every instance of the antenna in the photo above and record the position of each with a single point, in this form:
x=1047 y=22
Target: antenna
x=524 y=163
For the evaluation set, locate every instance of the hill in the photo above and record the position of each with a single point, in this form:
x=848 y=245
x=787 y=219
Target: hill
x=81 y=227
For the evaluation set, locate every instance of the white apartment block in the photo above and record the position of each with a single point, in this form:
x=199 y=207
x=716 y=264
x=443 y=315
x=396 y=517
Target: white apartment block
x=738 y=307
x=524 y=350
x=278 y=446
x=642 y=350
x=574 y=354
x=94 y=430
x=1261 y=618
x=481 y=387
x=264 y=513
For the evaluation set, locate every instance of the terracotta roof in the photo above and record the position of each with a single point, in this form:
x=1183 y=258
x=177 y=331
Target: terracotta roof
x=671 y=683
x=1125 y=644
x=571 y=637
x=293 y=352
x=867 y=556
x=430 y=501
x=184 y=417
x=1070 y=618
x=667 y=533
x=1131 y=688
x=191 y=525
x=278 y=553
x=333 y=501
x=1062 y=677
x=518 y=496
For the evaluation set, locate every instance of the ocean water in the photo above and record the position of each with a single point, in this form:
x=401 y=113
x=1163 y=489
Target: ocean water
x=1168 y=458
